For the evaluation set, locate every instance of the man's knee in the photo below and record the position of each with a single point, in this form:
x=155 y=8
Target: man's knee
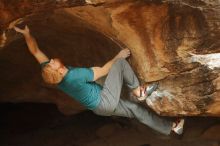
x=106 y=110
x=109 y=110
x=120 y=62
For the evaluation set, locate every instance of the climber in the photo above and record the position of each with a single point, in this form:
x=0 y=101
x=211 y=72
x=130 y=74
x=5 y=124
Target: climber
x=79 y=83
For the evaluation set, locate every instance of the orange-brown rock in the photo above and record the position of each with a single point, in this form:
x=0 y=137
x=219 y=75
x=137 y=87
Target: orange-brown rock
x=176 y=44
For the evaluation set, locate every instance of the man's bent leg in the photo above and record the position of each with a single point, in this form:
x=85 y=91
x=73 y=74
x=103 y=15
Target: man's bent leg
x=129 y=76
x=111 y=91
x=130 y=109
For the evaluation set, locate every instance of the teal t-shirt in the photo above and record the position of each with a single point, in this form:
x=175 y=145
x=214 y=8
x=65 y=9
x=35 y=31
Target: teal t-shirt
x=78 y=83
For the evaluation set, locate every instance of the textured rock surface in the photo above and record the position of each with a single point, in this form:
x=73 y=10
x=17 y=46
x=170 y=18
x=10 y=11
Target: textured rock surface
x=173 y=42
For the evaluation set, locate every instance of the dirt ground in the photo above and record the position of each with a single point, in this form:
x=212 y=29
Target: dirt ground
x=30 y=124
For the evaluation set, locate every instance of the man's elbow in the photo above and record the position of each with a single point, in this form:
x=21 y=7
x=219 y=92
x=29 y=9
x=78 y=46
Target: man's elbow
x=103 y=71
x=98 y=72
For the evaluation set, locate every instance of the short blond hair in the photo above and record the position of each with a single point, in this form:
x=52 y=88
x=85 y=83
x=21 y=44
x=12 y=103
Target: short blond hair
x=50 y=75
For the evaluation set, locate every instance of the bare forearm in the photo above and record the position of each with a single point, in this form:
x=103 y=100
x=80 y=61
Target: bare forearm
x=31 y=43
x=108 y=66
x=103 y=71
x=34 y=49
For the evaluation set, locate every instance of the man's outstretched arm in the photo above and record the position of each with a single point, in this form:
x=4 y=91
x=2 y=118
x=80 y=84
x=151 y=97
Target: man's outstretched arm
x=103 y=71
x=32 y=45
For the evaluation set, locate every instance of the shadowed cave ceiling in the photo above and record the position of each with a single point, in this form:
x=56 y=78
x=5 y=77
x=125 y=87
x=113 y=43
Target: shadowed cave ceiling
x=173 y=42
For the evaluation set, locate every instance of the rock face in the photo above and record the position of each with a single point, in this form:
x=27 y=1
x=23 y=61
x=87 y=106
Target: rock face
x=175 y=43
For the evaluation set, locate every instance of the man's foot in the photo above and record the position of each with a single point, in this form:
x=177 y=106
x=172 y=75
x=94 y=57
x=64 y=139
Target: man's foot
x=178 y=126
x=147 y=91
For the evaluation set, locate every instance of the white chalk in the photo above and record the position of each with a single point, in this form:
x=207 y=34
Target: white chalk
x=210 y=60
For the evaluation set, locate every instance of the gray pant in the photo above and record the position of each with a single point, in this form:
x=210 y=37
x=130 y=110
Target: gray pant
x=112 y=104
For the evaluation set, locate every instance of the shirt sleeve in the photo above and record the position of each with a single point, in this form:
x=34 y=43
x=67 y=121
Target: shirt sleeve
x=90 y=76
x=87 y=74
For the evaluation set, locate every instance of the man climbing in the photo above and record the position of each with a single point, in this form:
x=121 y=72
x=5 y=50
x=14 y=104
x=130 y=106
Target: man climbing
x=79 y=83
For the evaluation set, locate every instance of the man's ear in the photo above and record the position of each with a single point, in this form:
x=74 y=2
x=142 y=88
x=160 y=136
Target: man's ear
x=61 y=70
